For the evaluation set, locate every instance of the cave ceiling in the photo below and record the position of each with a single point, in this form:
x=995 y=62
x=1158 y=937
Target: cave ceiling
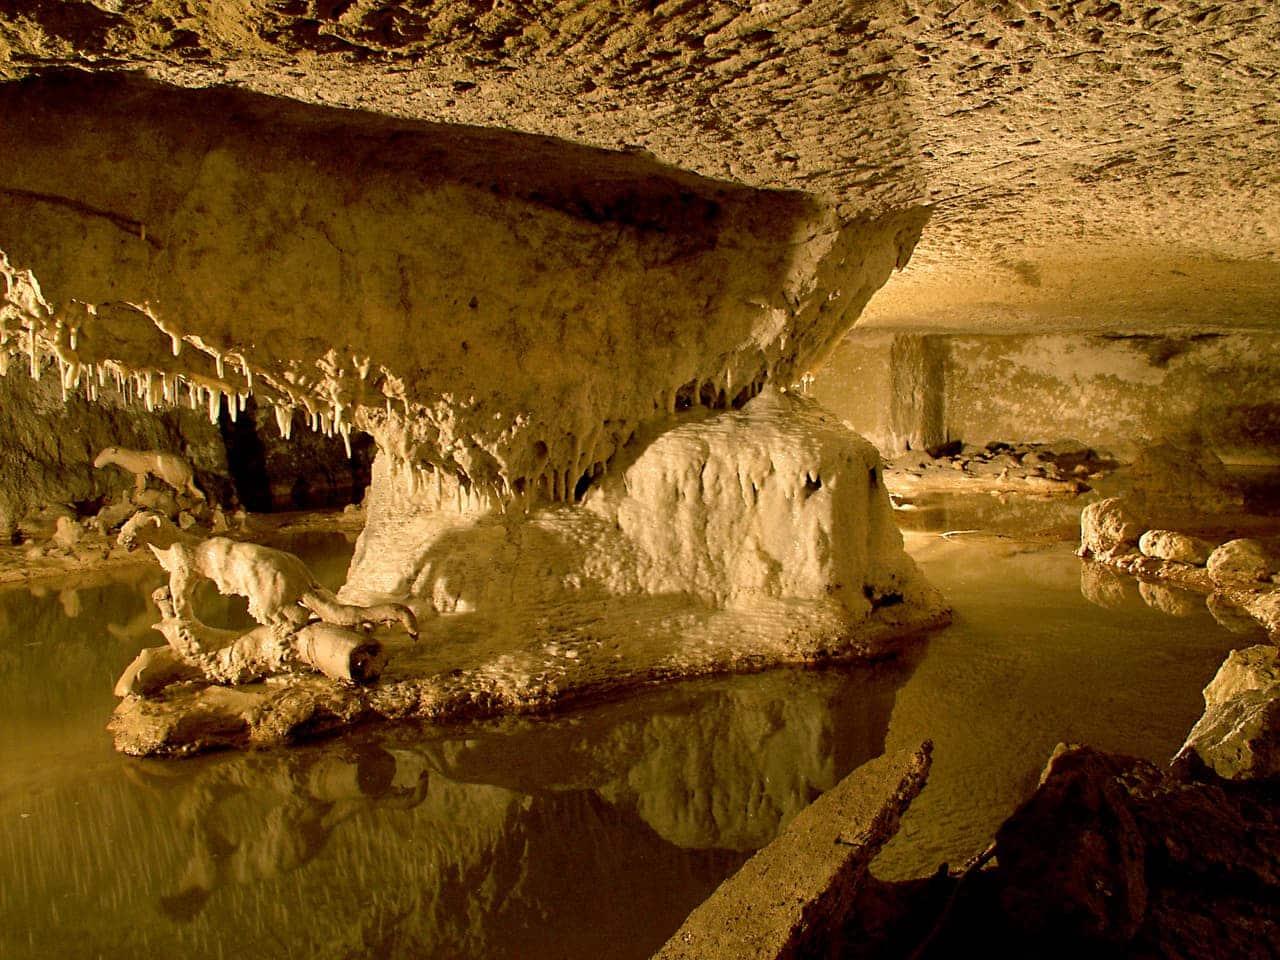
x=1087 y=162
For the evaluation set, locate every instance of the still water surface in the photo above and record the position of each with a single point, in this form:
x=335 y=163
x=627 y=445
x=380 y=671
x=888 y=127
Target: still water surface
x=585 y=835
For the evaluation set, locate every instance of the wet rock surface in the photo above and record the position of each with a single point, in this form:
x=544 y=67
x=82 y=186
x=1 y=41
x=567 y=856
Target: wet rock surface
x=1109 y=856
x=793 y=897
x=1242 y=563
x=1111 y=853
x=1238 y=576
x=1072 y=859
x=1108 y=530
x=459 y=671
x=1171 y=545
x=1038 y=469
x=750 y=539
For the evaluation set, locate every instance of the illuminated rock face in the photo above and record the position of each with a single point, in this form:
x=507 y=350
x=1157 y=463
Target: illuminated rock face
x=773 y=512
x=521 y=325
x=508 y=309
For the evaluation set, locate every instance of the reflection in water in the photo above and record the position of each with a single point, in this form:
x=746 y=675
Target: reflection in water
x=1170 y=600
x=1043 y=649
x=1106 y=587
x=589 y=834
x=1055 y=518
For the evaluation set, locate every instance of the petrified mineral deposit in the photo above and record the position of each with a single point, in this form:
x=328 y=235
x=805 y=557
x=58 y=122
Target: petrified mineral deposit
x=580 y=368
x=283 y=597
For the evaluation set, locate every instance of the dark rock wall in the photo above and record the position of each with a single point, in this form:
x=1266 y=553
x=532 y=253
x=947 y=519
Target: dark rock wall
x=47 y=448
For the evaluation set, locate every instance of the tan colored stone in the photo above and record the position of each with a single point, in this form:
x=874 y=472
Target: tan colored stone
x=1108 y=530
x=1238 y=737
x=1241 y=562
x=1171 y=545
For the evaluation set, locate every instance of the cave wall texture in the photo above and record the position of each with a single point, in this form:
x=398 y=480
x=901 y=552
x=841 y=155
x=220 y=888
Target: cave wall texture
x=1109 y=132
x=1115 y=391
x=274 y=180
x=504 y=308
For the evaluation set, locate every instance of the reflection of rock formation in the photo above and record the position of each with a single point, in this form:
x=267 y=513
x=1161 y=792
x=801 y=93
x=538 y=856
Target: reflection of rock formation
x=588 y=835
x=1170 y=600
x=727 y=773
x=255 y=818
x=516 y=322
x=1103 y=587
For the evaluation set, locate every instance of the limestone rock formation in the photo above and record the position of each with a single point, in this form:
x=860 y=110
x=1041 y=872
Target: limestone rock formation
x=747 y=539
x=1238 y=575
x=283 y=596
x=1170 y=480
x=715 y=288
x=513 y=320
x=776 y=507
x=875 y=104
x=1241 y=562
x=1238 y=737
x=1171 y=545
x=1108 y=530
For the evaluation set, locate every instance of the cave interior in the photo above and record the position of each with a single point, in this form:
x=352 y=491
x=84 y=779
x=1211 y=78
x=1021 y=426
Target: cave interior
x=591 y=352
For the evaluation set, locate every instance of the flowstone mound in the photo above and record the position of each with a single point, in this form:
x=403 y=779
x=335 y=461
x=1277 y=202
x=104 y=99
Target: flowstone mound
x=283 y=596
x=748 y=539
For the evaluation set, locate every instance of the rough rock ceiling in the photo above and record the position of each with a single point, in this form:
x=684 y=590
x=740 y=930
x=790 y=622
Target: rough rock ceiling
x=1060 y=141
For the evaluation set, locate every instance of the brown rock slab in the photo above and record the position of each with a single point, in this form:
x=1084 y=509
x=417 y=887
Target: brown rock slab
x=1077 y=837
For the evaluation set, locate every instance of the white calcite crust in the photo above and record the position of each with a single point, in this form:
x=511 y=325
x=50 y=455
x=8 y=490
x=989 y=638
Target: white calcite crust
x=736 y=542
